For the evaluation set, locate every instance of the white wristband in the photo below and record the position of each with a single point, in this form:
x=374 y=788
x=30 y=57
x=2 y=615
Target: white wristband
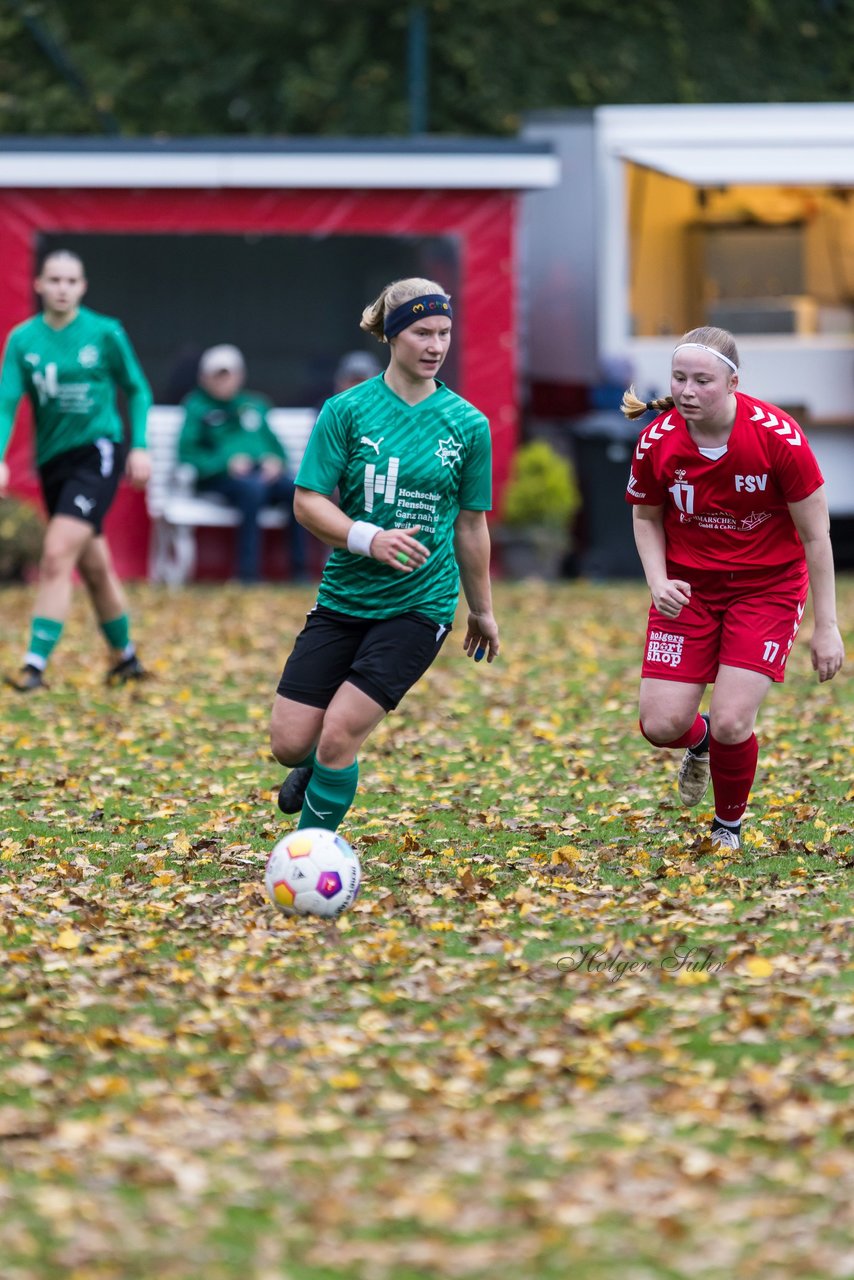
x=360 y=536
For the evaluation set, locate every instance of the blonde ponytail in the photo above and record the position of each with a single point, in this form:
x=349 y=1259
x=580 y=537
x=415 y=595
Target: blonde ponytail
x=633 y=407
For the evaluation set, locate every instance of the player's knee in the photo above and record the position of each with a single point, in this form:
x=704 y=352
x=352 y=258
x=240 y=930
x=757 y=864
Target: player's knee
x=285 y=749
x=94 y=575
x=732 y=725
x=337 y=747
x=662 y=727
x=57 y=562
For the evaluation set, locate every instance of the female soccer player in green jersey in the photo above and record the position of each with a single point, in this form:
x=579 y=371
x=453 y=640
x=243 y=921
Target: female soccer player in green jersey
x=68 y=361
x=412 y=463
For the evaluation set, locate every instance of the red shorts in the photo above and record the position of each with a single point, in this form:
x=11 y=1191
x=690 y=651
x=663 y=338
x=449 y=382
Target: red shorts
x=748 y=618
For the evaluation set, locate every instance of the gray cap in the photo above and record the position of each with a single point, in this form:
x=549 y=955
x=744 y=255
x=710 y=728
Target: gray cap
x=222 y=359
x=357 y=365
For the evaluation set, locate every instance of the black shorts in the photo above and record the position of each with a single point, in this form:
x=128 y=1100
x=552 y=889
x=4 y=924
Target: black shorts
x=383 y=657
x=82 y=482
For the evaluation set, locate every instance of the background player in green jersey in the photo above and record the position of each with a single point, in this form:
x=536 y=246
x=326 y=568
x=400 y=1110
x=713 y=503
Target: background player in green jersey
x=68 y=361
x=412 y=463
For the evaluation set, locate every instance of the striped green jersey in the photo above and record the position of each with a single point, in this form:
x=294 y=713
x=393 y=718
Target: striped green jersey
x=398 y=465
x=70 y=376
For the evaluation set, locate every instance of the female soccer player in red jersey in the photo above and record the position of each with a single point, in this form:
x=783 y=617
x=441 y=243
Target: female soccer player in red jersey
x=731 y=525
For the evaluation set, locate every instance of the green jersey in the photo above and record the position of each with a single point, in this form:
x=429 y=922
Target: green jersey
x=398 y=465
x=215 y=430
x=70 y=376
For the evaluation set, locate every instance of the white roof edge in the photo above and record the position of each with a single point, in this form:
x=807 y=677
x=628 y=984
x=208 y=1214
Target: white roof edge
x=783 y=123
x=754 y=144
x=821 y=166
x=365 y=171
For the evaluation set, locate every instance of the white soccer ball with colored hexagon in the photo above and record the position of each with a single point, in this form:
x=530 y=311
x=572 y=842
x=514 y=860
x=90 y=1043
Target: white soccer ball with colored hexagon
x=312 y=872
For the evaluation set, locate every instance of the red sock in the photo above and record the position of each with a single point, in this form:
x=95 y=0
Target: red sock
x=692 y=738
x=733 y=768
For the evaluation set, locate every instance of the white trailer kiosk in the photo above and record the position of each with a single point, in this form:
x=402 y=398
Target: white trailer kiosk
x=668 y=217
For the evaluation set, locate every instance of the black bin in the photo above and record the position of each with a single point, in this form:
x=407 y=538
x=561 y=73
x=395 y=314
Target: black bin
x=603 y=443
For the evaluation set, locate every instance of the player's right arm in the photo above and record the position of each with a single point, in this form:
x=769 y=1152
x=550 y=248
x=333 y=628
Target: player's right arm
x=323 y=467
x=669 y=595
x=11 y=390
x=397 y=548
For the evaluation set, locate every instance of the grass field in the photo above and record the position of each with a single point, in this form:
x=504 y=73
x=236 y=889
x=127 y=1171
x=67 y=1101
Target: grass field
x=556 y=1037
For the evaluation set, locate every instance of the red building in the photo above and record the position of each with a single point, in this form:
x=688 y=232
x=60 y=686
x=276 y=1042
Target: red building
x=276 y=246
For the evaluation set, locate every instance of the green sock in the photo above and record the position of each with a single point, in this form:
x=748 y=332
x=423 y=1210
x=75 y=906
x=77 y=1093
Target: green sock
x=117 y=632
x=330 y=794
x=44 y=635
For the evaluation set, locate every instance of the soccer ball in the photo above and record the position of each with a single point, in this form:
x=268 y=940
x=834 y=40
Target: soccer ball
x=312 y=872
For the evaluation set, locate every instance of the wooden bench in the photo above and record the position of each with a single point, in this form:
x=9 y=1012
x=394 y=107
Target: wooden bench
x=176 y=510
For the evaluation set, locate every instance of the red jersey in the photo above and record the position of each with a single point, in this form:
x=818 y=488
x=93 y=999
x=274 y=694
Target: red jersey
x=731 y=512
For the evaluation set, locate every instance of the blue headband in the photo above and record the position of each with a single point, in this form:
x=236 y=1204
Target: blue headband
x=422 y=308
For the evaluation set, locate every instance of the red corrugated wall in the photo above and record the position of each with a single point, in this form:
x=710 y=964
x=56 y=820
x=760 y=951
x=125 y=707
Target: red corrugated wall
x=483 y=221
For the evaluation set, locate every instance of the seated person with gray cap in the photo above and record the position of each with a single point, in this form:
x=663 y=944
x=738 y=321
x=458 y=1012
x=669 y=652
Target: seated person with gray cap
x=353 y=368
x=227 y=439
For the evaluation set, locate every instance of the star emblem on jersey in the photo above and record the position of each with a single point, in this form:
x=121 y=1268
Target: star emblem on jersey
x=448 y=451
x=250 y=419
x=88 y=356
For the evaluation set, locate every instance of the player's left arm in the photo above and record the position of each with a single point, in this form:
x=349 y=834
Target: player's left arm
x=472 y=548
x=813 y=525
x=128 y=373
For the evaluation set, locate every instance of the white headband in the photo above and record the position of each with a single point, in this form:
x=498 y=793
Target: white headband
x=702 y=347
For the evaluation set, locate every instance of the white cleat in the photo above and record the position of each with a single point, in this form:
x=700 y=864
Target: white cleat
x=725 y=839
x=693 y=778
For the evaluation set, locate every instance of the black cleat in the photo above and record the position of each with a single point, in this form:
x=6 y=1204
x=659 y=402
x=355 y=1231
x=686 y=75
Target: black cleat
x=128 y=669
x=293 y=789
x=29 y=679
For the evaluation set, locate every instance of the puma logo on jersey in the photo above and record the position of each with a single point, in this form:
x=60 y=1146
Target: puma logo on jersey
x=375 y=444
x=749 y=484
x=85 y=504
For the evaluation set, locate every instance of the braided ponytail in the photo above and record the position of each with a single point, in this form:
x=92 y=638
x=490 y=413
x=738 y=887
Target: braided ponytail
x=633 y=407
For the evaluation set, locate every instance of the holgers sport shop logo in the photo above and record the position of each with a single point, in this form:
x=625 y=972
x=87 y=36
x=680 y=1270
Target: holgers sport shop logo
x=665 y=647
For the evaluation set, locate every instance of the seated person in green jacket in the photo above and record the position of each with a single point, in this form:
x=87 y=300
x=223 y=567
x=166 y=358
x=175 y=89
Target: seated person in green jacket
x=227 y=438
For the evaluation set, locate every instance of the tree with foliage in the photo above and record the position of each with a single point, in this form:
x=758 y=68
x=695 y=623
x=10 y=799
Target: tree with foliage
x=279 y=67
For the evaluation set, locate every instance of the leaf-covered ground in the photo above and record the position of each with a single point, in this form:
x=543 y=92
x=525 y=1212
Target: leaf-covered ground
x=556 y=1036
